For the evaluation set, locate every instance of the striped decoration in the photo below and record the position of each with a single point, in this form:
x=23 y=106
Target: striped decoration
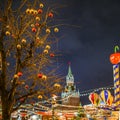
x=116 y=84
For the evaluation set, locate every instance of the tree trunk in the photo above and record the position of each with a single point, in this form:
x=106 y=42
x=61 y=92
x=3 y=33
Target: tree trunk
x=6 y=107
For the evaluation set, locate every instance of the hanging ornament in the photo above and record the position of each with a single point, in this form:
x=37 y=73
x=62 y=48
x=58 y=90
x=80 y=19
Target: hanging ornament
x=41 y=5
x=26 y=86
x=56 y=30
x=23 y=41
x=35 y=12
x=52 y=54
x=45 y=51
x=28 y=11
x=47 y=47
x=44 y=77
x=19 y=74
x=37 y=18
x=50 y=15
x=7 y=33
x=115 y=57
x=34 y=29
x=31 y=11
x=32 y=25
x=22 y=99
x=18 y=46
x=40 y=97
x=37 y=24
x=40 y=11
x=40 y=75
x=56 y=85
x=16 y=76
x=48 y=31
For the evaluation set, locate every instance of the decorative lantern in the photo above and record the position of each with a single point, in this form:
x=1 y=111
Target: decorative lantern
x=50 y=15
x=40 y=11
x=41 y=5
x=56 y=30
x=48 y=31
x=40 y=97
x=7 y=33
x=19 y=74
x=115 y=57
x=18 y=46
x=34 y=29
x=40 y=75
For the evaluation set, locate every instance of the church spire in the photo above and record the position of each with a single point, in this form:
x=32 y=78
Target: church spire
x=69 y=69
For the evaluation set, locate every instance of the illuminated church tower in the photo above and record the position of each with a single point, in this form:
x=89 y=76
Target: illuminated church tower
x=70 y=96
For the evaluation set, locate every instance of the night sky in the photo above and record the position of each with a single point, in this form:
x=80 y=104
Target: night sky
x=89 y=38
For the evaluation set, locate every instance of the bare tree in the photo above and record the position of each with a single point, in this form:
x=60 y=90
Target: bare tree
x=27 y=53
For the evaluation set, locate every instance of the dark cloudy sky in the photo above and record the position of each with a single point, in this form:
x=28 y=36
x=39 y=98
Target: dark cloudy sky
x=89 y=39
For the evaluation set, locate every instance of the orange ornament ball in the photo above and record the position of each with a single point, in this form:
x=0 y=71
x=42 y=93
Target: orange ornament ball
x=34 y=29
x=50 y=15
x=40 y=75
x=52 y=54
x=26 y=86
x=19 y=74
x=40 y=11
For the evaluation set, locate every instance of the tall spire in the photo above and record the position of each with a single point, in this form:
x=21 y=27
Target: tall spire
x=69 y=69
x=69 y=77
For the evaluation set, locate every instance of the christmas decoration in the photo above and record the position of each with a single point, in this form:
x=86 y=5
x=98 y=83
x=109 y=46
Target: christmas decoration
x=7 y=33
x=56 y=30
x=44 y=77
x=41 y=5
x=23 y=41
x=40 y=75
x=52 y=54
x=40 y=11
x=34 y=29
x=26 y=86
x=37 y=18
x=18 y=46
x=47 y=47
x=45 y=51
x=50 y=15
x=40 y=97
x=16 y=76
x=19 y=74
x=48 y=31
x=28 y=11
x=115 y=57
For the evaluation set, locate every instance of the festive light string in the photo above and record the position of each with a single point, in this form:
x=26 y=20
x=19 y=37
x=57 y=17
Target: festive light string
x=82 y=93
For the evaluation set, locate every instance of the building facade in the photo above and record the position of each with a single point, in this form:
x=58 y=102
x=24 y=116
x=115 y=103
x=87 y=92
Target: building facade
x=70 y=96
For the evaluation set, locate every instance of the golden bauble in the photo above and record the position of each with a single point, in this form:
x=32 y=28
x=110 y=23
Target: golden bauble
x=48 y=31
x=41 y=5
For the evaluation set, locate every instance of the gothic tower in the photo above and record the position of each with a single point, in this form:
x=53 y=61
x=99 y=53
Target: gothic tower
x=70 y=96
